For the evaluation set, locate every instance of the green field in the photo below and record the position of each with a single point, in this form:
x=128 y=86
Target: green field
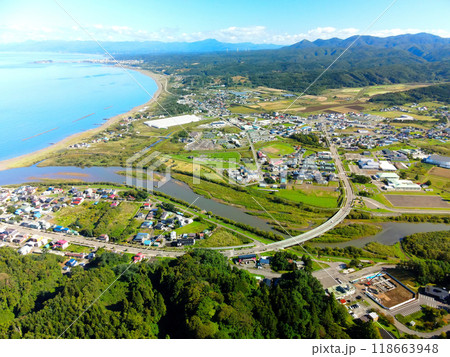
x=222 y=238
x=394 y=251
x=243 y=109
x=278 y=149
x=75 y=248
x=195 y=227
x=92 y=220
x=321 y=199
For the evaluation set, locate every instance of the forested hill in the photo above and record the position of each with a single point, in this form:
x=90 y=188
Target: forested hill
x=371 y=61
x=439 y=93
x=196 y=296
x=427 y=46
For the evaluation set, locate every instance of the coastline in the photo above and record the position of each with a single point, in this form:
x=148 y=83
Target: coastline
x=39 y=155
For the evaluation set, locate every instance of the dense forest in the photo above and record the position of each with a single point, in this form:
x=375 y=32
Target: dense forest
x=307 y=139
x=432 y=245
x=431 y=253
x=439 y=93
x=198 y=295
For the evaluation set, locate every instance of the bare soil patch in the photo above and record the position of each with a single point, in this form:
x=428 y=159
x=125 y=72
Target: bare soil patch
x=440 y=171
x=355 y=107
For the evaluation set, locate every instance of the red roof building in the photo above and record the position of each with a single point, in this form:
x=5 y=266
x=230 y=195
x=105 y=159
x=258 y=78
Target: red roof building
x=138 y=257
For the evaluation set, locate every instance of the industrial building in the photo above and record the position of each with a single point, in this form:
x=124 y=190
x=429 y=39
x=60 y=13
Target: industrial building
x=442 y=161
x=173 y=121
x=368 y=164
x=387 y=166
x=388 y=175
x=402 y=185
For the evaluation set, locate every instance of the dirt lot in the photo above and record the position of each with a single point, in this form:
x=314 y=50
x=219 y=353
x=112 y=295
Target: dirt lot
x=356 y=157
x=417 y=201
x=356 y=107
x=389 y=291
x=396 y=296
x=441 y=172
x=202 y=145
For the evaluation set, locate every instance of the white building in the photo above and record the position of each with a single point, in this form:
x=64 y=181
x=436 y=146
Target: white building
x=388 y=175
x=25 y=250
x=402 y=185
x=173 y=121
x=387 y=166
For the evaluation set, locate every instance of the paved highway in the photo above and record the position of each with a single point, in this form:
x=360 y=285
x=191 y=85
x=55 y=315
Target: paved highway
x=150 y=252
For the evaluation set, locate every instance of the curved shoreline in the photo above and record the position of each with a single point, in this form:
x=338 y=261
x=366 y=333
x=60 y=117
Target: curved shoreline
x=35 y=156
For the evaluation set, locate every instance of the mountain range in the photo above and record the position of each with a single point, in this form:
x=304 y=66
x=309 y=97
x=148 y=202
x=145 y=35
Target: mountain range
x=427 y=46
x=368 y=61
x=133 y=47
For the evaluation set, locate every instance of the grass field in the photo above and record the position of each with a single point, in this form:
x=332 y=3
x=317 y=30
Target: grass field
x=243 y=109
x=436 y=146
x=439 y=177
x=394 y=251
x=315 y=198
x=222 y=238
x=404 y=276
x=75 y=248
x=117 y=222
x=195 y=227
x=278 y=149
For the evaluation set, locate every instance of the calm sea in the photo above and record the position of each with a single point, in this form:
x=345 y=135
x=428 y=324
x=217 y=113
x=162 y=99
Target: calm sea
x=42 y=103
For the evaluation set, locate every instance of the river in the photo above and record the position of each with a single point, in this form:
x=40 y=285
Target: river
x=172 y=187
x=392 y=233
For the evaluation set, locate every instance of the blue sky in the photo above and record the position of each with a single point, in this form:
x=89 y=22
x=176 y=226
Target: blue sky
x=258 y=21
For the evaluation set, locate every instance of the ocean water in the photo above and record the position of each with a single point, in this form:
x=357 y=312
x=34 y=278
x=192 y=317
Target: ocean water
x=43 y=103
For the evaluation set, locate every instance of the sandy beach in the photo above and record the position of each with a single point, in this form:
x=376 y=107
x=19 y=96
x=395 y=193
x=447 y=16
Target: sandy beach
x=39 y=155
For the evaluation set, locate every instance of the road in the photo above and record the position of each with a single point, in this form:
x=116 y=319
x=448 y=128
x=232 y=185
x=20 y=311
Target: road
x=255 y=157
x=150 y=252
x=329 y=224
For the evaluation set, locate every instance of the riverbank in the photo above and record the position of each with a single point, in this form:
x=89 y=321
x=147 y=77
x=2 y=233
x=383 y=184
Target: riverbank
x=39 y=155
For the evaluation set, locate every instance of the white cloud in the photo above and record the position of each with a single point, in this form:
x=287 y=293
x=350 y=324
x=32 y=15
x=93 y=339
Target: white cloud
x=233 y=34
x=396 y=32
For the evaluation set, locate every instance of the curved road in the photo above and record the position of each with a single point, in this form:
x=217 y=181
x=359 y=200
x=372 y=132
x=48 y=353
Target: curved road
x=326 y=226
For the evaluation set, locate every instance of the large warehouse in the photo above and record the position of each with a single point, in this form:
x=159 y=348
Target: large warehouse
x=442 y=161
x=172 y=121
